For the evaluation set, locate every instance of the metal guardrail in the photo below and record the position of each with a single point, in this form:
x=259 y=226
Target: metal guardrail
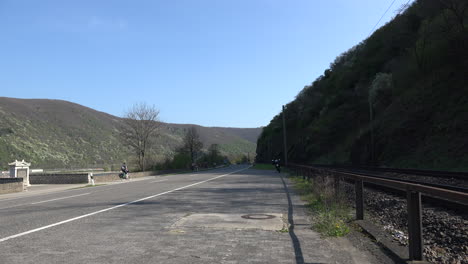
x=413 y=197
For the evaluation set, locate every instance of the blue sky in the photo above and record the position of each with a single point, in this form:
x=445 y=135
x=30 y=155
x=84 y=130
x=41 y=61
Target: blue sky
x=209 y=62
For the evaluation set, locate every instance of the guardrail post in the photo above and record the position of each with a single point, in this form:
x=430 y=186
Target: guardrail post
x=415 y=225
x=359 y=189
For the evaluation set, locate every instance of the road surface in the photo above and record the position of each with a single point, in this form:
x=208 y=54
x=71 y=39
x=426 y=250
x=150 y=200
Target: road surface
x=185 y=218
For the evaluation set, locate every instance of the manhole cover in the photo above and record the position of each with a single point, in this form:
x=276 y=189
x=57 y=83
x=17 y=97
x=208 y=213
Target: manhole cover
x=258 y=216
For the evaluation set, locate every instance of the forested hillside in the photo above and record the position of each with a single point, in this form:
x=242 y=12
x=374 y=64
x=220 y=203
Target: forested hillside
x=399 y=98
x=61 y=134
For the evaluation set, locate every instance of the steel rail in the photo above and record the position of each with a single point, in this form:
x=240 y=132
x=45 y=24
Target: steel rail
x=429 y=173
x=456 y=196
x=437 y=185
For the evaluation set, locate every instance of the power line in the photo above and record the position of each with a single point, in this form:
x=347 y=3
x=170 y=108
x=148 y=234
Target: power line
x=382 y=17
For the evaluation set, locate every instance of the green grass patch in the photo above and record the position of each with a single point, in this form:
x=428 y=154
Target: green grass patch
x=283 y=230
x=331 y=218
x=330 y=214
x=304 y=187
x=263 y=167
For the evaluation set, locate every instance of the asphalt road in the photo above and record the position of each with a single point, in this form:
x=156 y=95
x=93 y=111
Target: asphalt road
x=136 y=222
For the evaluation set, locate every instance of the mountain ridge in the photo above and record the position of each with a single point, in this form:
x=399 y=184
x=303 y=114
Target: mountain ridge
x=58 y=133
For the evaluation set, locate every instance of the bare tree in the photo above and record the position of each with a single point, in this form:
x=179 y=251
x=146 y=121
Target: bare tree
x=140 y=127
x=192 y=144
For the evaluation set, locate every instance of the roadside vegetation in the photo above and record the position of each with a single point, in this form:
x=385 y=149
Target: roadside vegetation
x=397 y=99
x=330 y=212
x=189 y=154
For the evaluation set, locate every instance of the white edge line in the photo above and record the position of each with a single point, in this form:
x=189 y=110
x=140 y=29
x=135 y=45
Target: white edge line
x=61 y=198
x=18 y=205
x=28 y=195
x=111 y=208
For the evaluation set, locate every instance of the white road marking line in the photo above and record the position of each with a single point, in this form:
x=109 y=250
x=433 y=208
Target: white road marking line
x=72 y=189
x=61 y=198
x=67 y=190
x=18 y=205
x=29 y=195
x=8 y=207
x=111 y=208
x=159 y=181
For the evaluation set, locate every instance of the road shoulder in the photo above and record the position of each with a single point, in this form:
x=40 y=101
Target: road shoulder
x=356 y=246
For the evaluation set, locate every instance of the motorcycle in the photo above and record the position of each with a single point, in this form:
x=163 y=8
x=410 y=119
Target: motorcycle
x=277 y=165
x=278 y=168
x=124 y=175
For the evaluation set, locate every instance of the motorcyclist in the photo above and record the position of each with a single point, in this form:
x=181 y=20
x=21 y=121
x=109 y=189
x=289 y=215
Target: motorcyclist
x=124 y=170
x=276 y=162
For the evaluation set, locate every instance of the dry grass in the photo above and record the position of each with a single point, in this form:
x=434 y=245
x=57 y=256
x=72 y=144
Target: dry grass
x=329 y=209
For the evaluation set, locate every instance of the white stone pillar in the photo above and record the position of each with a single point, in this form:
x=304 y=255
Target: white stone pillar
x=23 y=167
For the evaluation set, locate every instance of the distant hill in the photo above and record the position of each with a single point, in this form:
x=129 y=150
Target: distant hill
x=61 y=134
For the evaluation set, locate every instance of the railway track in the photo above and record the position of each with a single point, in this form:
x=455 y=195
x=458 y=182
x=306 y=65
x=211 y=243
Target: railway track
x=437 y=185
x=395 y=197
x=429 y=200
x=416 y=172
x=419 y=177
x=455 y=181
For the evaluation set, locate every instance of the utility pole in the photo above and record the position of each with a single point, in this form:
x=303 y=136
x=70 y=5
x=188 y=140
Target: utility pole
x=284 y=140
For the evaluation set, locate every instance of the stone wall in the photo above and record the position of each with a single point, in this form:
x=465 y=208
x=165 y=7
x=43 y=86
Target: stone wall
x=59 y=178
x=76 y=178
x=106 y=177
x=10 y=185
